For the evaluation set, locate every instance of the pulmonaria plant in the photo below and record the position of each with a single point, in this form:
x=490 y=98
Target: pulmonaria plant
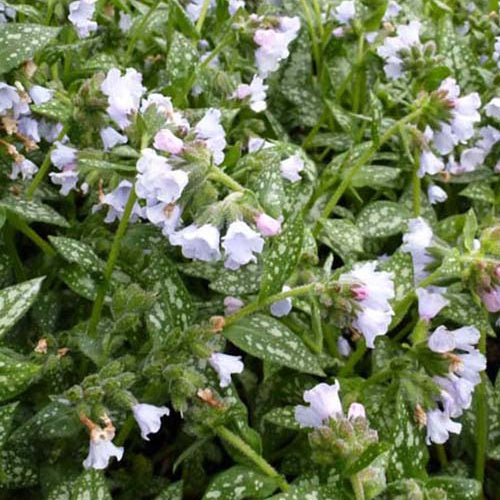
x=214 y=215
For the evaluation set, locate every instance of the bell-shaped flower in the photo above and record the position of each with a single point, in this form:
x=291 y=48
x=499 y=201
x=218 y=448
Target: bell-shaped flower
x=124 y=94
x=356 y=410
x=102 y=448
x=492 y=109
x=125 y=22
x=436 y=194
x=116 y=201
x=256 y=91
x=212 y=133
x=148 y=417
x=429 y=163
x=67 y=179
x=291 y=167
x=110 y=138
x=430 y=301
x=345 y=12
x=62 y=156
x=80 y=16
x=324 y=403
x=240 y=243
x=491 y=299
x=28 y=127
x=439 y=426
x=415 y=242
x=489 y=137
x=225 y=365
x=40 y=95
x=232 y=304
x=23 y=167
x=8 y=97
x=199 y=243
x=164 y=215
x=456 y=393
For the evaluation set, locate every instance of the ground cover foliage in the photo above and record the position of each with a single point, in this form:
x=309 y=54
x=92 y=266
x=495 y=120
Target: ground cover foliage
x=249 y=249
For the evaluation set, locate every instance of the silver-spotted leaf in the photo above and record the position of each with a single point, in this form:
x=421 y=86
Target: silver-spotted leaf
x=15 y=375
x=77 y=252
x=381 y=219
x=33 y=211
x=90 y=485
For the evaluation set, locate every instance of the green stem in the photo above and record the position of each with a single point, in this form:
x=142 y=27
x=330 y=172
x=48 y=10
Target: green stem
x=256 y=305
x=353 y=358
x=110 y=264
x=481 y=427
x=139 y=31
x=40 y=175
x=312 y=34
x=225 y=434
x=203 y=15
x=441 y=454
x=20 y=225
x=219 y=175
x=357 y=486
x=416 y=187
x=377 y=377
x=346 y=181
x=430 y=279
x=10 y=245
x=356 y=98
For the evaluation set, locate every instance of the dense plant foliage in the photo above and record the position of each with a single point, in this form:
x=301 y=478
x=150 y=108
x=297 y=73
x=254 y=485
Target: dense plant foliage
x=249 y=249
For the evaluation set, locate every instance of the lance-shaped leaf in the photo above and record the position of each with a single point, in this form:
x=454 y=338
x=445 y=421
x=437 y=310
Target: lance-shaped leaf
x=33 y=211
x=77 y=252
x=15 y=375
x=6 y=415
x=382 y=218
x=91 y=484
x=15 y=301
x=268 y=339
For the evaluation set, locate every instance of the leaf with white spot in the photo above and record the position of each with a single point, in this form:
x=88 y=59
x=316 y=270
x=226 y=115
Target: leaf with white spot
x=281 y=256
x=173 y=307
x=77 y=252
x=89 y=164
x=343 y=237
x=79 y=280
x=15 y=301
x=269 y=188
x=171 y=492
x=182 y=59
x=20 y=42
x=33 y=211
x=381 y=219
x=283 y=417
x=6 y=416
x=90 y=485
x=54 y=109
x=240 y=482
x=266 y=338
x=16 y=471
x=15 y=375
x=409 y=455
x=243 y=281
x=377 y=176
x=457 y=488
x=480 y=191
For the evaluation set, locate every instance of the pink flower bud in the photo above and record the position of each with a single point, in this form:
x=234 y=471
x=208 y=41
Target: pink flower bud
x=267 y=225
x=359 y=292
x=491 y=299
x=167 y=141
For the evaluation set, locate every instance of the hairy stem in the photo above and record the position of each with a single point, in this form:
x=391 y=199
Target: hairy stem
x=20 y=225
x=357 y=486
x=219 y=175
x=225 y=434
x=203 y=15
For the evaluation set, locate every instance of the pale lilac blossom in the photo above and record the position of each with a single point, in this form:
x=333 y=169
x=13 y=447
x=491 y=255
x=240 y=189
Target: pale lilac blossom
x=80 y=16
x=436 y=194
x=282 y=307
x=24 y=167
x=232 y=304
x=291 y=167
x=324 y=403
x=199 y=243
x=165 y=140
x=148 y=417
x=256 y=91
x=40 y=95
x=240 y=243
x=267 y=225
x=225 y=365
x=345 y=12
x=110 y=138
x=211 y=132
x=415 y=242
x=430 y=301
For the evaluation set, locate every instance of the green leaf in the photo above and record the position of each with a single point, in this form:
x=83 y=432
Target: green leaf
x=3 y=217
x=480 y=191
x=283 y=417
x=268 y=339
x=367 y=457
x=343 y=237
x=240 y=482
x=269 y=189
x=376 y=176
x=463 y=311
x=409 y=455
x=281 y=256
x=79 y=280
x=15 y=301
x=128 y=305
x=243 y=281
x=470 y=229
x=173 y=307
x=19 y=42
x=90 y=485
x=78 y=253
x=171 y=492
x=55 y=420
x=55 y=110
x=88 y=164
x=33 y=211
x=457 y=488
x=182 y=59
x=6 y=416
x=381 y=219
x=15 y=375
x=16 y=471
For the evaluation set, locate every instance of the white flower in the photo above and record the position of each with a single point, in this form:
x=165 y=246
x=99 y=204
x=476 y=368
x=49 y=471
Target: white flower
x=471 y=158
x=234 y=5
x=291 y=167
x=492 y=109
x=124 y=94
x=345 y=12
x=267 y=225
x=164 y=215
x=50 y=131
x=101 y=448
x=257 y=143
x=392 y=10
x=165 y=140
x=193 y=8
x=324 y=403
x=24 y=167
x=67 y=179
x=456 y=393
x=28 y=127
x=148 y=418
x=80 y=16
x=356 y=410
x=489 y=137
x=436 y=194
x=239 y=243
x=110 y=138
x=232 y=304
x=225 y=365
x=212 y=133
x=156 y=181
x=415 y=242
x=392 y=48
x=125 y=22
x=343 y=347
x=200 y=243
x=372 y=290
x=6 y=12
x=429 y=163
x=256 y=91
x=282 y=307
x=117 y=199
x=443 y=340
x=273 y=44
x=8 y=97
x=439 y=427
x=62 y=156
x=39 y=94
x=430 y=301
